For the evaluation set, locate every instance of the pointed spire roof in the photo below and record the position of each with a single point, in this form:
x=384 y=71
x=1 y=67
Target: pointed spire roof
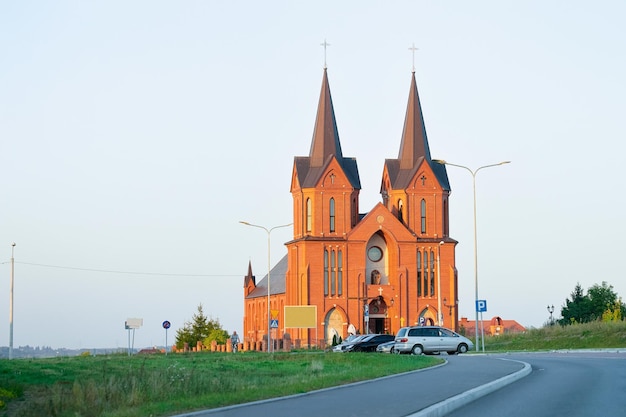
x=249 y=278
x=325 y=145
x=414 y=147
x=278 y=279
x=325 y=135
x=414 y=140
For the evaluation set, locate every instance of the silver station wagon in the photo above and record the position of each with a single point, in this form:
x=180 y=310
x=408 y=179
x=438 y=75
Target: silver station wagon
x=430 y=339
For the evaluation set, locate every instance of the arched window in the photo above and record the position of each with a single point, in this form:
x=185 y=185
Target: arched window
x=326 y=272
x=419 y=273
x=446 y=231
x=400 y=207
x=333 y=274
x=339 y=273
x=425 y=264
x=354 y=212
x=309 y=215
x=432 y=273
x=331 y=208
x=423 y=216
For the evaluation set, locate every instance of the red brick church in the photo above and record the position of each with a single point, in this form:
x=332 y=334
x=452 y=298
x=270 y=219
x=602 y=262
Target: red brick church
x=366 y=272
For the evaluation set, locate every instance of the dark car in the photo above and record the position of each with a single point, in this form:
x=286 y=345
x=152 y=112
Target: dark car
x=369 y=344
x=349 y=341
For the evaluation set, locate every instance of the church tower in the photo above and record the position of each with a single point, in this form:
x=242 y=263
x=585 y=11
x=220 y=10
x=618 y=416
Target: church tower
x=391 y=267
x=417 y=191
x=325 y=188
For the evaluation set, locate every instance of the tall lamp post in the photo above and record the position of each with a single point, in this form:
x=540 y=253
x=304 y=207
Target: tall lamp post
x=551 y=310
x=269 y=267
x=474 y=173
x=11 y=303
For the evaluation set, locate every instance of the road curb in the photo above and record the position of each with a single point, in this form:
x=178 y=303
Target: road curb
x=453 y=403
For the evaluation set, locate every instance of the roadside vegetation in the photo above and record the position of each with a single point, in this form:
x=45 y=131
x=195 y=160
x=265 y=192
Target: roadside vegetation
x=165 y=385
x=600 y=303
x=591 y=320
x=201 y=329
x=594 y=335
x=161 y=385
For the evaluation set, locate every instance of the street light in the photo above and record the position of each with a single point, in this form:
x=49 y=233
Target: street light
x=269 y=267
x=11 y=303
x=474 y=172
x=450 y=306
x=551 y=310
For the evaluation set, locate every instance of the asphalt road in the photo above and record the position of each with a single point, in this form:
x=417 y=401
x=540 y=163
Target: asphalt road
x=394 y=396
x=572 y=384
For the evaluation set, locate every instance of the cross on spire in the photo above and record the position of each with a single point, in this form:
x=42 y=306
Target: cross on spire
x=413 y=49
x=325 y=44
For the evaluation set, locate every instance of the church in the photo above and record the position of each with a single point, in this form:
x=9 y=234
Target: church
x=360 y=271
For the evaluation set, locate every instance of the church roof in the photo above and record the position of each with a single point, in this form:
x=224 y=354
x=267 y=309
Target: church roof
x=414 y=149
x=249 y=278
x=325 y=145
x=309 y=176
x=278 y=280
x=325 y=135
x=414 y=143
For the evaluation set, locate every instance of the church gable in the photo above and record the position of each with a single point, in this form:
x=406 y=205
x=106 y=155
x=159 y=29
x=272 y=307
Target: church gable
x=295 y=179
x=333 y=178
x=423 y=179
x=415 y=177
x=380 y=219
x=309 y=176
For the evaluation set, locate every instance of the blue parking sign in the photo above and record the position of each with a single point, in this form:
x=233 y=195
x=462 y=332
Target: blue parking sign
x=481 y=306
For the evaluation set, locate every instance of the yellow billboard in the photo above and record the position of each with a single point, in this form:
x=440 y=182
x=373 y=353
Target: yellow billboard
x=301 y=317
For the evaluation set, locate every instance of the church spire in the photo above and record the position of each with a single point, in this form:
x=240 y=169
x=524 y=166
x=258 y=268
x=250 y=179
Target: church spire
x=414 y=141
x=325 y=135
x=249 y=278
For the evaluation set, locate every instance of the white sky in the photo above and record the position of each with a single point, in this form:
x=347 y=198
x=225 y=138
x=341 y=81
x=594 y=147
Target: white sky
x=135 y=135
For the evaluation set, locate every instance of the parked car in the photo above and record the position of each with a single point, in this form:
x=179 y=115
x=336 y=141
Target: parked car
x=430 y=339
x=349 y=340
x=386 y=347
x=369 y=343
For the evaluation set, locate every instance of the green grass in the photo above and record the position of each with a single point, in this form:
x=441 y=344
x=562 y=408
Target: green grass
x=596 y=335
x=160 y=385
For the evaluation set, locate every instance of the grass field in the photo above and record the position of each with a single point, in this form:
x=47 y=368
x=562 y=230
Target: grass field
x=160 y=385
x=596 y=335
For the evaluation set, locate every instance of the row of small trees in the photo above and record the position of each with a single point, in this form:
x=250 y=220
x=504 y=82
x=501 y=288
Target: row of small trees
x=201 y=329
x=600 y=302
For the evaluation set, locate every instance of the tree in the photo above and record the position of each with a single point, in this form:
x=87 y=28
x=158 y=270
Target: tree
x=602 y=298
x=200 y=329
x=575 y=310
x=615 y=312
x=600 y=303
x=219 y=335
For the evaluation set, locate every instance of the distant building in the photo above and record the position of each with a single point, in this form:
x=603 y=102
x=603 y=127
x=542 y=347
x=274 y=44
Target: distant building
x=371 y=272
x=495 y=326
